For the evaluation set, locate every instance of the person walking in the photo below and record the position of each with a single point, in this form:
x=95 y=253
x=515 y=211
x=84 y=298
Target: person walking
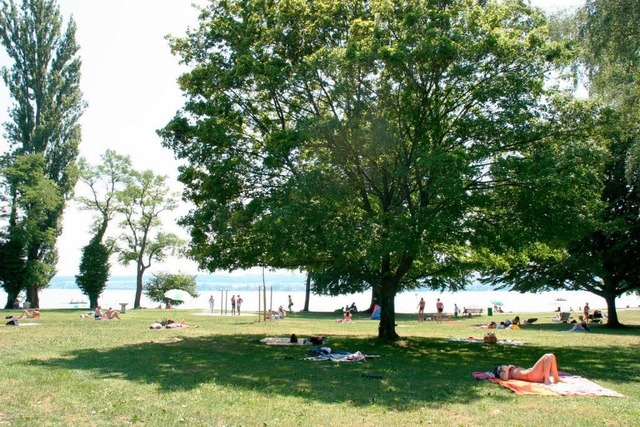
x=439 y=310
x=290 y=303
x=212 y=302
x=421 y=305
x=233 y=305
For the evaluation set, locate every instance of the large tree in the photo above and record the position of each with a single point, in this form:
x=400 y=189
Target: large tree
x=43 y=82
x=142 y=203
x=603 y=257
x=104 y=182
x=354 y=138
x=35 y=198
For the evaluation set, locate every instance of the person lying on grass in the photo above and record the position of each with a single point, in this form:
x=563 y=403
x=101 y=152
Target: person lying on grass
x=170 y=324
x=580 y=326
x=35 y=314
x=538 y=373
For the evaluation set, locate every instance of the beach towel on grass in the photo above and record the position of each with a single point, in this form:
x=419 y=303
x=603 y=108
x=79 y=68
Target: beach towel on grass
x=572 y=385
x=341 y=356
x=284 y=341
x=481 y=341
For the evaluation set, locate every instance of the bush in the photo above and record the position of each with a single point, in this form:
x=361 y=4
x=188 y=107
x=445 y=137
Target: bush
x=160 y=283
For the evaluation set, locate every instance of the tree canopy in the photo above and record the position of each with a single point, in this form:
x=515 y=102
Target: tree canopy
x=362 y=141
x=141 y=204
x=104 y=182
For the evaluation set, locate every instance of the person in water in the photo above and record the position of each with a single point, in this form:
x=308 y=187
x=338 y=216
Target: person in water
x=540 y=372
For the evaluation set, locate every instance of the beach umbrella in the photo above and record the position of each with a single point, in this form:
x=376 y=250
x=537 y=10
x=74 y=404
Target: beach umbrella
x=176 y=295
x=498 y=303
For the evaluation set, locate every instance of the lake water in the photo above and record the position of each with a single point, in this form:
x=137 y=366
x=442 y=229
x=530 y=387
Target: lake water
x=63 y=293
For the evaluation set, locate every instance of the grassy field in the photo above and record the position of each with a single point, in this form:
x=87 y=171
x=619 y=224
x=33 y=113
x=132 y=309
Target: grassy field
x=70 y=371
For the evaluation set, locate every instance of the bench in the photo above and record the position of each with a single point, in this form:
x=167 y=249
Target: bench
x=470 y=311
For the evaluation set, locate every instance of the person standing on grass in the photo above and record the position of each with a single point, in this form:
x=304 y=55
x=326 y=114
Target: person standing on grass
x=233 y=305
x=290 y=303
x=585 y=312
x=456 y=310
x=212 y=302
x=421 y=305
x=239 y=303
x=439 y=309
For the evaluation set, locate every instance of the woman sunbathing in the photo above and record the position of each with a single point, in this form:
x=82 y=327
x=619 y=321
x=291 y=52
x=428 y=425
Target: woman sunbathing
x=178 y=325
x=538 y=373
x=35 y=314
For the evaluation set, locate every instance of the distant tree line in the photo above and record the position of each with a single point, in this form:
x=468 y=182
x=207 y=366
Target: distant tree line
x=40 y=167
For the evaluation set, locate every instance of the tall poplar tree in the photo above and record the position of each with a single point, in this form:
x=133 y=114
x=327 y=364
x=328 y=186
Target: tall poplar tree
x=43 y=81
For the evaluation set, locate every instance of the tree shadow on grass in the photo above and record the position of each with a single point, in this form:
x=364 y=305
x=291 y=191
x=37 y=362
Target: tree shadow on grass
x=428 y=371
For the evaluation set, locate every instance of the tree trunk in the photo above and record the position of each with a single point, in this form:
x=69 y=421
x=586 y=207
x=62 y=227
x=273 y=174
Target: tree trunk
x=307 y=293
x=139 y=273
x=612 y=319
x=375 y=298
x=387 y=327
x=32 y=296
x=11 y=297
x=93 y=301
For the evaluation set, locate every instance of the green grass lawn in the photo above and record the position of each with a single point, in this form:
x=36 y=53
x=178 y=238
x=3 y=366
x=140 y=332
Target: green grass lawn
x=70 y=371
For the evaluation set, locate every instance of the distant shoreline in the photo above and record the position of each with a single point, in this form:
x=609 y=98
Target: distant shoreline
x=405 y=302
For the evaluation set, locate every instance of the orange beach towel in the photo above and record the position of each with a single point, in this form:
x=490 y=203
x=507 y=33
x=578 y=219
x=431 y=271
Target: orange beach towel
x=572 y=385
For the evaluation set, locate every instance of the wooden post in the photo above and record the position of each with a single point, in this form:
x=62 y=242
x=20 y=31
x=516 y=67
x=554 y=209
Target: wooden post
x=264 y=296
x=259 y=320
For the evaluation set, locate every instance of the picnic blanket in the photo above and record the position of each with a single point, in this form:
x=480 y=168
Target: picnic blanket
x=341 y=356
x=284 y=341
x=481 y=341
x=572 y=385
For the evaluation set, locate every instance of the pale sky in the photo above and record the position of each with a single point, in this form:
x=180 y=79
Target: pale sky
x=129 y=81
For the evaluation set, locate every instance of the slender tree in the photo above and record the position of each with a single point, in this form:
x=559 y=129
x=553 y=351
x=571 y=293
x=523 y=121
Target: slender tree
x=142 y=202
x=104 y=182
x=43 y=82
x=355 y=138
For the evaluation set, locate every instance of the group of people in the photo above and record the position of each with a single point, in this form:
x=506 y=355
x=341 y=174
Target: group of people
x=277 y=315
x=514 y=323
x=236 y=303
x=439 y=310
